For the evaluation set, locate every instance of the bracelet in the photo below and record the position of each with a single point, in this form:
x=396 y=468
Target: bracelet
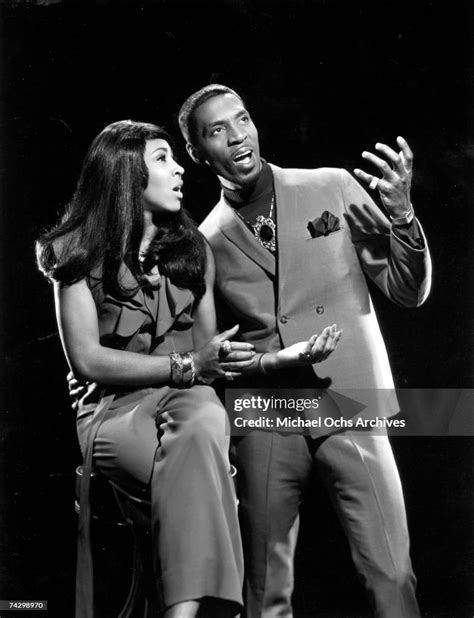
x=260 y=365
x=183 y=370
x=404 y=219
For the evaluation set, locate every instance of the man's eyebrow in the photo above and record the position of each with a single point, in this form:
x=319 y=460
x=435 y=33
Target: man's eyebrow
x=214 y=123
x=242 y=112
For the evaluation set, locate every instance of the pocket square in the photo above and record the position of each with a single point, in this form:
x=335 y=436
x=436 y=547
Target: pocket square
x=323 y=225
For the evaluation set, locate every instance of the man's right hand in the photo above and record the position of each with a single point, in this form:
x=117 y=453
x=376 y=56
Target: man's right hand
x=315 y=350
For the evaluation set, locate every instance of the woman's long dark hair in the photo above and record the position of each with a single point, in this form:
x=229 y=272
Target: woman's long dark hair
x=103 y=224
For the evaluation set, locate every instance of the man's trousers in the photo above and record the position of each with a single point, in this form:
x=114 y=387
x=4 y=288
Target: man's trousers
x=361 y=476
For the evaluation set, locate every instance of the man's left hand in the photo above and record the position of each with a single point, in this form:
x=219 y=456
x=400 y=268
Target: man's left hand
x=77 y=390
x=394 y=186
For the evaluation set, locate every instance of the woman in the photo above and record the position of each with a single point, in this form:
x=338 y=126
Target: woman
x=133 y=289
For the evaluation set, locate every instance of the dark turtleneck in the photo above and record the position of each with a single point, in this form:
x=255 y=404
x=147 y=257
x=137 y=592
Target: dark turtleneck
x=256 y=200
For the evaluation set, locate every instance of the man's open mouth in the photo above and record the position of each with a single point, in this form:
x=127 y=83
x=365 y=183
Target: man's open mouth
x=243 y=155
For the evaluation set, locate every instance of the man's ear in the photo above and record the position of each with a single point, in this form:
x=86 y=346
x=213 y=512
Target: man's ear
x=193 y=152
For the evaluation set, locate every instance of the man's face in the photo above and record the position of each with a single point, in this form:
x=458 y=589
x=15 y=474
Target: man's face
x=227 y=140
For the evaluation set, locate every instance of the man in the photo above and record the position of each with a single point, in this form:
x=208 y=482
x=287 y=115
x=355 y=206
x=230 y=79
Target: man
x=291 y=248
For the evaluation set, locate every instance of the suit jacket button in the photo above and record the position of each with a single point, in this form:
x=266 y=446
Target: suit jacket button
x=319 y=309
x=284 y=319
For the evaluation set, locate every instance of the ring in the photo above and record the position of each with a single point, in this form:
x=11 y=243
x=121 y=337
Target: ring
x=373 y=183
x=226 y=348
x=228 y=376
x=305 y=355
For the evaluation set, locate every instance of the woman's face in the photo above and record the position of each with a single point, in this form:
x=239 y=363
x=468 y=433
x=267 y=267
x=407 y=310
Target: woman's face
x=163 y=192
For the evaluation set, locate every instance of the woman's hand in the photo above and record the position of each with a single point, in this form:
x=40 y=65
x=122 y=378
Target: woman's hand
x=315 y=350
x=218 y=359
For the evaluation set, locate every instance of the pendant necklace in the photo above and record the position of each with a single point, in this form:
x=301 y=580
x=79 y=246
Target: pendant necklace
x=263 y=228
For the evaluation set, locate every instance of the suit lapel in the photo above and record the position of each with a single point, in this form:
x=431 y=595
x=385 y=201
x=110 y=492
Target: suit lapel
x=286 y=198
x=235 y=230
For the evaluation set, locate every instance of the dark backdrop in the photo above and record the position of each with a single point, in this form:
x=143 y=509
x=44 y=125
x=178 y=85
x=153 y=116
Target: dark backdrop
x=324 y=80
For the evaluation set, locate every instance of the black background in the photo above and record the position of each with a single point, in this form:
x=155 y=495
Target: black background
x=324 y=80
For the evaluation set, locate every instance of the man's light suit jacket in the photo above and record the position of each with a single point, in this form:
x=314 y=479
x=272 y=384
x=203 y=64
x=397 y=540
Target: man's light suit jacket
x=316 y=282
